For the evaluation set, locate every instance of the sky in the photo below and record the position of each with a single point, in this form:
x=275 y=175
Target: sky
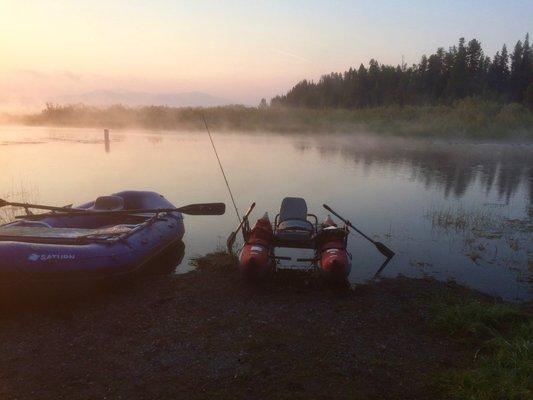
x=239 y=50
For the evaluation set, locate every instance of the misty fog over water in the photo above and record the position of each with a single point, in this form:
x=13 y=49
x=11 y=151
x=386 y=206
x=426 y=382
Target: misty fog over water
x=450 y=209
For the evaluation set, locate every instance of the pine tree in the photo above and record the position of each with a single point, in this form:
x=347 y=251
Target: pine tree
x=459 y=72
x=504 y=70
x=364 y=87
x=434 y=76
x=516 y=71
x=526 y=69
x=474 y=68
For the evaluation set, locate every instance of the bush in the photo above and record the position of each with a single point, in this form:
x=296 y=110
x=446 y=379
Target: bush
x=468 y=117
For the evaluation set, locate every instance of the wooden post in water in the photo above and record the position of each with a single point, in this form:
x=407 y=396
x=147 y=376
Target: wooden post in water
x=106 y=139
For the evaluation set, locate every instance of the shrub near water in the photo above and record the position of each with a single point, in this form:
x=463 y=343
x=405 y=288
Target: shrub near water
x=501 y=338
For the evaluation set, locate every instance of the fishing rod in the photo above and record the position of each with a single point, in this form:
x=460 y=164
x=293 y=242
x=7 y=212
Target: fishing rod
x=222 y=169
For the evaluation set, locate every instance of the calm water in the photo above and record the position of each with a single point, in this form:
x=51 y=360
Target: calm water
x=449 y=210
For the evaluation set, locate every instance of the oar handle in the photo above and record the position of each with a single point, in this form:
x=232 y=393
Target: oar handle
x=245 y=216
x=233 y=235
x=347 y=222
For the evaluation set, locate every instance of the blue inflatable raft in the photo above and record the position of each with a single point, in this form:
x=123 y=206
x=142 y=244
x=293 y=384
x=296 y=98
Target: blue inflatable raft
x=64 y=247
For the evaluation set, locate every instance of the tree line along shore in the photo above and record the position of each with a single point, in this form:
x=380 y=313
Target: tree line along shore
x=459 y=92
x=464 y=70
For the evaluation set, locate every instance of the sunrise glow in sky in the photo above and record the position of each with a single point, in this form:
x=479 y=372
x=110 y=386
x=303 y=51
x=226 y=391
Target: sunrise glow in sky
x=239 y=50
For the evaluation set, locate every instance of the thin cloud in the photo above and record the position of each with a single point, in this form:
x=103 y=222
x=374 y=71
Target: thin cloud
x=291 y=55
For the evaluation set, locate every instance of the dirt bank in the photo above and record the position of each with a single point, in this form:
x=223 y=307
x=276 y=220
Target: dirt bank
x=208 y=335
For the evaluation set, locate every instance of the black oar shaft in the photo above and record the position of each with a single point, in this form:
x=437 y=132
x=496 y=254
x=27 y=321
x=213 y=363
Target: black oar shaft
x=252 y=206
x=38 y=206
x=380 y=246
x=233 y=235
x=194 y=209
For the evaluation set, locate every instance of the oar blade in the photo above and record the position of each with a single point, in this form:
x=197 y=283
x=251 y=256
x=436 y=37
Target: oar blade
x=203 y=209
x=384 y=250
x=3 y=203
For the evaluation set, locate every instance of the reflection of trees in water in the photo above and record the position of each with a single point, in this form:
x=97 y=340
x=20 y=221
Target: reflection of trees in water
x=529 y=181
x=452 y=167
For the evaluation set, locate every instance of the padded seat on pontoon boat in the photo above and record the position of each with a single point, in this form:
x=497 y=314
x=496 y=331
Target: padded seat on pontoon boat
x=293 y=223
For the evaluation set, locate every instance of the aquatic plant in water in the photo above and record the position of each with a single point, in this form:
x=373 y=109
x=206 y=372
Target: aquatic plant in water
x=22 y=193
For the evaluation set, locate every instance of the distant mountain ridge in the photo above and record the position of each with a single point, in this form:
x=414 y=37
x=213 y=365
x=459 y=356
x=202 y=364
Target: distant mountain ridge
x=127 y=98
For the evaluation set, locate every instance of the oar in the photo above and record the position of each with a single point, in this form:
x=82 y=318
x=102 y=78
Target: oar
x=4 y=203
x=191 y=209
x=233 y=235
x=380 y=246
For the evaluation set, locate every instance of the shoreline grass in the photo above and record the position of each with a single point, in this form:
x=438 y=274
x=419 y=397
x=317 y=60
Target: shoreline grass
x=501 y=338
x=466 y=118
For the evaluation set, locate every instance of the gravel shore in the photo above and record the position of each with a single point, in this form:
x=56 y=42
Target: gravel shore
x=207 y=334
